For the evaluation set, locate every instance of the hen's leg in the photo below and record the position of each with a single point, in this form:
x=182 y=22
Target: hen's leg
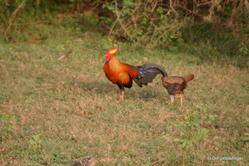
x=172 y=99
x=181 y=99
x=121 y=95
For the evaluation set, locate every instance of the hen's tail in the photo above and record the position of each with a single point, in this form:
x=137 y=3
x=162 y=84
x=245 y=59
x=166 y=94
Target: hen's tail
x=189 y=77
x=147 y=73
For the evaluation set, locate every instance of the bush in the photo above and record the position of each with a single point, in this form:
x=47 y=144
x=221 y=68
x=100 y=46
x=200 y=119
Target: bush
x=19 y=17
x=146 y=23
x=213 y=42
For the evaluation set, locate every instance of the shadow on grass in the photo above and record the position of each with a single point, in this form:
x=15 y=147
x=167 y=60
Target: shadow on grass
x=144 y=93
x=112 y=89
x=147 y=95
x=98 y=87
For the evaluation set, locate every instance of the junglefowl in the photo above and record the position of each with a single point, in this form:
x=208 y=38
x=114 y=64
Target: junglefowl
x=123 y=74
x=175 y=86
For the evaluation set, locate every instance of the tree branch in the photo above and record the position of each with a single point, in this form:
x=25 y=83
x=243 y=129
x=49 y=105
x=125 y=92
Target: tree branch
x=13 y=16
x=120 y=22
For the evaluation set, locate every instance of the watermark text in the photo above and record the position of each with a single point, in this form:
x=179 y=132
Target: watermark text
x=224 y=158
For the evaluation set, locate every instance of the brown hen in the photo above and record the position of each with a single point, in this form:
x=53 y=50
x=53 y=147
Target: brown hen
x=175 y=86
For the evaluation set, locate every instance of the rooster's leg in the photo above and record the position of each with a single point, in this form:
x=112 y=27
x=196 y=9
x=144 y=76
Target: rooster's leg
x=121 y=95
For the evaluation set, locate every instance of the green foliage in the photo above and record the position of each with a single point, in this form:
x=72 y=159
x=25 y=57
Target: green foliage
x=211 y=43
x=35 y=142
x=31 y=7
x=144 y=23
x=7 y=125
x=20 y=19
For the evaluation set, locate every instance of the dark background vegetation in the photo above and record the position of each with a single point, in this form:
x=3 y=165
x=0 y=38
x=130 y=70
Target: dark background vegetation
x=210 y=29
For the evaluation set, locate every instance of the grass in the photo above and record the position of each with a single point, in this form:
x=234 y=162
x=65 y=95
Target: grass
x=53 y=111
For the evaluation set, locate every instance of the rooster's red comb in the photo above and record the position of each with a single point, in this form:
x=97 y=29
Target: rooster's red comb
x=112 y=50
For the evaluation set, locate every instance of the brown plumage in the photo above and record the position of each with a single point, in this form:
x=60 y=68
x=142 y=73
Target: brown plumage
x=175 y=86
x=123 y=74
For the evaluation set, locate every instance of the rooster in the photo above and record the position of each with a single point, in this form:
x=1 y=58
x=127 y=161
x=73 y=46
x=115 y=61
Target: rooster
x=123 y=74
x=175 y=86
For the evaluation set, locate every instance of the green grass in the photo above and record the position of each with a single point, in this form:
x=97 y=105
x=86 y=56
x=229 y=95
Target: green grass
x=53 y=111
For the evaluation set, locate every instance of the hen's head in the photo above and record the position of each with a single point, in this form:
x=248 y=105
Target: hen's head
x=109 y=53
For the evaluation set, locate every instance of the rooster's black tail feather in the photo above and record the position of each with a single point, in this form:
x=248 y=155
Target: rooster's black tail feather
x=147 y=73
